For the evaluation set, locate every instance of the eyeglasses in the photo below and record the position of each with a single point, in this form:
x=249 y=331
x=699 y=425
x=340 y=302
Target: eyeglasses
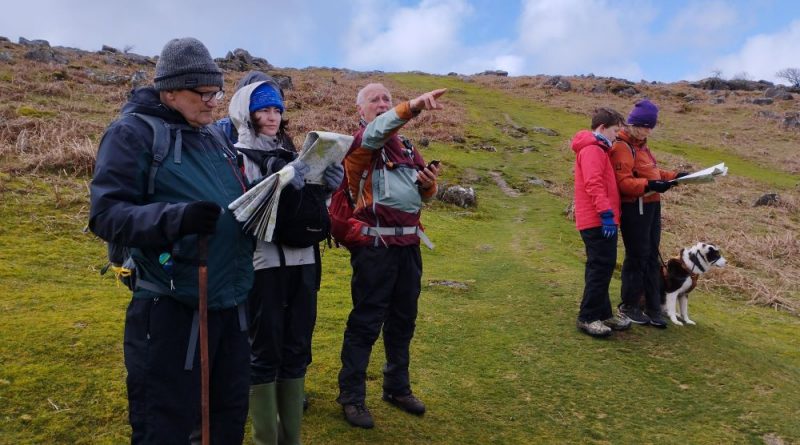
x=206 y=96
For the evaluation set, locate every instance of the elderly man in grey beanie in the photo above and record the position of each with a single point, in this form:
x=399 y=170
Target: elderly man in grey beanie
x=157 y=196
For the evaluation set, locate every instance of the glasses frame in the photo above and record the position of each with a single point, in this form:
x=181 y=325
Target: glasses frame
x=206 y=96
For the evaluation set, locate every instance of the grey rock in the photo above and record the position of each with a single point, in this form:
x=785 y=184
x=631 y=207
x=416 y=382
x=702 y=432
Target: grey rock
x=109 y=49
x=545 y=131
x=139 y=59
x=539 y=182
x=458 y=195
x=767 y=114
x=45 y=54
x=599 y=89
x=284 y=81
x=626 y=92
x=564 y=85
x=449 y=283
x=138 y=79
x=769 y=199
x=4 y=39
x=36 y=42
x=499 y=73
x=424 y=142
x=5 y=56
x=108 y=78
x=791 y=120
x=762 y=101
x=716 y=100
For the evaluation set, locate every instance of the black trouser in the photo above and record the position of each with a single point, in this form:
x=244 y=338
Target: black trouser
x=641 y=234
x=385 y=289
x=163 y=397
x=283 y=311
x=601 y=257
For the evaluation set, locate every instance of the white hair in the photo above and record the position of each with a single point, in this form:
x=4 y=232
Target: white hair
x=363 y=91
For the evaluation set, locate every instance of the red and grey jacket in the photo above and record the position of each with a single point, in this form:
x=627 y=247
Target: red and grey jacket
x=382 y=178
x=635 y=165
x=595 y=183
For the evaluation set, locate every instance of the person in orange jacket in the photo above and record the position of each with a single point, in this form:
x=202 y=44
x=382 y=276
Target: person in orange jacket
x=641 y=183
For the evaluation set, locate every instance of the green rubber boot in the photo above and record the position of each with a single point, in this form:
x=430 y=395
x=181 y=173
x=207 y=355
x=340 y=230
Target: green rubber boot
x=264 y=413
x=290 y=410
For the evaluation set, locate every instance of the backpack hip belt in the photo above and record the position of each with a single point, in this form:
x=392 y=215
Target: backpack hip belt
x=380 y=232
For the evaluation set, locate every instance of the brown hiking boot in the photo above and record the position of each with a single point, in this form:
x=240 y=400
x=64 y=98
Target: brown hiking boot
x=358 y=415
x=408 y=403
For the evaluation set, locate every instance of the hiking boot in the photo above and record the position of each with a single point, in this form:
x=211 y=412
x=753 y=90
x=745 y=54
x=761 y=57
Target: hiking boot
x=657 y=320
x=408 y=403
x=618 y=323
x=594 y=328
x=358 y=415
x=634 y=314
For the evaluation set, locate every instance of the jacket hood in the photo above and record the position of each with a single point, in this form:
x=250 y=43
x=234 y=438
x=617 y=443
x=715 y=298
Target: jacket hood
x=239 y=111
x=625 y=136
x=586 y=138
x=146 y=100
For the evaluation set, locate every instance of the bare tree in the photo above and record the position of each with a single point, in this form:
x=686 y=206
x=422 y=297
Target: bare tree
x=790 y=74
x=716 y=74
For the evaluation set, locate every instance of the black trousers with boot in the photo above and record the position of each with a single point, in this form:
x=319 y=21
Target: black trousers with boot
x=601 y=257
x=164 y=397
x=283 y=312
x=641 y=235
x=385 y=290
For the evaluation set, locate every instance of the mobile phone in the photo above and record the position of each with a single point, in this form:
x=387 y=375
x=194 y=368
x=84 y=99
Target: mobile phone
x=433 y=162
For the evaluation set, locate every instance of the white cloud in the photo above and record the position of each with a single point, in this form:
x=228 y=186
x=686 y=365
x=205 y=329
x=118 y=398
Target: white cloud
x=425 y=37
x=761 y=56
x=702 y=24
x=581 y=36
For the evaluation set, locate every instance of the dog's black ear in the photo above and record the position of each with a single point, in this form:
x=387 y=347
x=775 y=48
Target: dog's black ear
x=713 y=254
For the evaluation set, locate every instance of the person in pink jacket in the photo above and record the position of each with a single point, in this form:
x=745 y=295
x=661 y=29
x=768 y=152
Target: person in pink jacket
x=597 y=210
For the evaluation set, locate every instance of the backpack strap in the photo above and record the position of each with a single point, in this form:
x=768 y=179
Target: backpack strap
x=160 y=146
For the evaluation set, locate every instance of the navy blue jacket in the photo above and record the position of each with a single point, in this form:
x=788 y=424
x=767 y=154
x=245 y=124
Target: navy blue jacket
x=123 y=212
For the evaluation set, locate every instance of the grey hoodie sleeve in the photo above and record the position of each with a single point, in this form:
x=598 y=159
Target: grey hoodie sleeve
x=119 y=212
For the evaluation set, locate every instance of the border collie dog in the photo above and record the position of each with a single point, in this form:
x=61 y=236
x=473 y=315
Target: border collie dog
x=680 y=277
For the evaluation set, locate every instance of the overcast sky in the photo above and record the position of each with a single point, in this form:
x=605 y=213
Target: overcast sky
x=633 y=39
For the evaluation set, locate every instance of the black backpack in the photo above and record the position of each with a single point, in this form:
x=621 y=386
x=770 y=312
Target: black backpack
x=303 y=219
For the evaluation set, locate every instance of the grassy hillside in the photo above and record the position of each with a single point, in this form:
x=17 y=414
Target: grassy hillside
x=499 y=362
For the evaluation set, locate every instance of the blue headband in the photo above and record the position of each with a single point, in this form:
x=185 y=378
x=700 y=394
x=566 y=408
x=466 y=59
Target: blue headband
x=265 y=96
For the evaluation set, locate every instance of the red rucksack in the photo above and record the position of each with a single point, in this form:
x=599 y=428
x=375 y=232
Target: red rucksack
x=345 y=229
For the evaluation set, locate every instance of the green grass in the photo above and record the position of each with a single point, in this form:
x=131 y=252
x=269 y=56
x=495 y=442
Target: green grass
x=499 y=363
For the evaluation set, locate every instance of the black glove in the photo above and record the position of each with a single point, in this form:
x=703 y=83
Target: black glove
x=681 y=174
x=658 y=186
x=200 y=217
x=272 y=164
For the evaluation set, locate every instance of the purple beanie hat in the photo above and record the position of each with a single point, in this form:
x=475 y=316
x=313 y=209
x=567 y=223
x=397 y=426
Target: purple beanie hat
x=644 y=114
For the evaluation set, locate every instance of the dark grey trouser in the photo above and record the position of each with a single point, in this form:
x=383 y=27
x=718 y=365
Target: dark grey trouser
x=385 y=290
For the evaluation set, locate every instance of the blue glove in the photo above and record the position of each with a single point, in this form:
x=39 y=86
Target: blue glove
x=300 y=170
x=333 y=176
x=609 y=226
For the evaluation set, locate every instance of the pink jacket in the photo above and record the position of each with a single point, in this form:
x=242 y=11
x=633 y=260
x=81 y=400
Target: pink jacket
x=595 y=182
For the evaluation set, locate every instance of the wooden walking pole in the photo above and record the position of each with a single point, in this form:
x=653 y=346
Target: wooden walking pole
x=202 y=251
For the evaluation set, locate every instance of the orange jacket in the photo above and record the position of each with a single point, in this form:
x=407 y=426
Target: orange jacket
x=633 y=172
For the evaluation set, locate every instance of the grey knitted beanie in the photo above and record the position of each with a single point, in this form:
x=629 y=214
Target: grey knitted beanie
x=186 y=64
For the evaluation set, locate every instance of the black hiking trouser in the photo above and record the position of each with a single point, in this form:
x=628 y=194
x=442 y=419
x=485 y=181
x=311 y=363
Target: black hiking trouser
x=601 y=257
x=641 y=235
x=163 y=397
x=283 y=311
x=385 y=290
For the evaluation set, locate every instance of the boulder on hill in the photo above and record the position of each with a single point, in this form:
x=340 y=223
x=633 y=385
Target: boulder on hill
x=45 y=54
x=38 y=42
x=715 y=83
x=461 y=196
x=241 y=60
x=778 y=93
x=499 y=73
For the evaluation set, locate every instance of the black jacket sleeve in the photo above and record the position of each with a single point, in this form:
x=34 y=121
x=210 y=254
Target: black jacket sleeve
x=120 y=211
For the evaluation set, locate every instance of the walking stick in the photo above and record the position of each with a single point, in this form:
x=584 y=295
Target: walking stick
x=202 y=251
